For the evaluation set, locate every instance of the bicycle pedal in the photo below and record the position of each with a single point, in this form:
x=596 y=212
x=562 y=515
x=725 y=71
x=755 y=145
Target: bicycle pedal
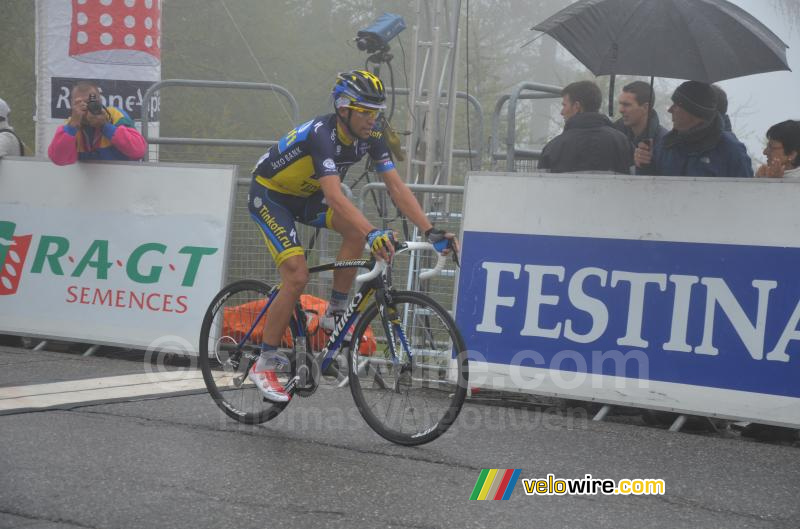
x=291 y=387
x=238 y=381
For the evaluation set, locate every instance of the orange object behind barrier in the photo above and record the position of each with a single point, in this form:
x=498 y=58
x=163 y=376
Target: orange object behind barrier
x=238 y=320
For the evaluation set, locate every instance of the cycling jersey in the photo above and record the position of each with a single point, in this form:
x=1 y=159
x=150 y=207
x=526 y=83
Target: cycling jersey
x=286 y=189
x=315 y=149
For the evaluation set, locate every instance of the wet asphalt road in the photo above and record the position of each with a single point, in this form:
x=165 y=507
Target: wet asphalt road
x=177 y=461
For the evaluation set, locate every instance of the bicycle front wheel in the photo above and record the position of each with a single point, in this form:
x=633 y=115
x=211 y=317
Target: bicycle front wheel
x=230 y=339
x=408 y=369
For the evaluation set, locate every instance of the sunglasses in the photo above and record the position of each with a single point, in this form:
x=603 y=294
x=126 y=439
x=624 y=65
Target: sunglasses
x=367 y=112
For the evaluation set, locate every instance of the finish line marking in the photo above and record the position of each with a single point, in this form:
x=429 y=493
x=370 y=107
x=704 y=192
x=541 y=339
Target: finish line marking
x=42 y=396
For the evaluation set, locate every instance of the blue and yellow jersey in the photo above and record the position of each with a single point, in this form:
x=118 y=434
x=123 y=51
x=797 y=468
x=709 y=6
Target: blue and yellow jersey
x=315 y=149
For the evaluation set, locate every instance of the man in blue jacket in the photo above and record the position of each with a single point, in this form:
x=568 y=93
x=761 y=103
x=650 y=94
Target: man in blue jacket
x=697 y=145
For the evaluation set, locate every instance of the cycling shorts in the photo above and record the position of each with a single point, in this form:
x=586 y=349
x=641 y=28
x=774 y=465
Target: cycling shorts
x=275 y=214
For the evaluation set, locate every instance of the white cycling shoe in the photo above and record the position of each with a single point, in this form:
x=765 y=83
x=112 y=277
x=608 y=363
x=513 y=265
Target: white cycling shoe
x=268 y=384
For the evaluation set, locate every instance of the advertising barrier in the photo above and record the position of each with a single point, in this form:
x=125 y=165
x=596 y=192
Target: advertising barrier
x=676 y=294
x=123 y=254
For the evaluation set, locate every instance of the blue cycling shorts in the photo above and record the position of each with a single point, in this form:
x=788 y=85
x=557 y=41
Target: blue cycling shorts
x=275 y=214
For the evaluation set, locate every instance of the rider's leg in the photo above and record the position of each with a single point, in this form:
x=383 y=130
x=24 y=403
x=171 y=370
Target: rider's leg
x=294 y=277
x=274 y=214
x=352 y=248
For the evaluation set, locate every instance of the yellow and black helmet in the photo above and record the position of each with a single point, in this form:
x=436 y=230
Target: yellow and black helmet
x=359 y=88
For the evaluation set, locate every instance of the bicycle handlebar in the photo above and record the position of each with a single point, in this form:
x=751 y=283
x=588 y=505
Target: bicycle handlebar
x=380 y=266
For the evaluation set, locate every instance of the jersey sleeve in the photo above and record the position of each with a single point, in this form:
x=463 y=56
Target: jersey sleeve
x=322 y=148
x=379 y=152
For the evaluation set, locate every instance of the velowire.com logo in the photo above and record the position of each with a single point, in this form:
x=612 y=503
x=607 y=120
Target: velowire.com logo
x=495 y=484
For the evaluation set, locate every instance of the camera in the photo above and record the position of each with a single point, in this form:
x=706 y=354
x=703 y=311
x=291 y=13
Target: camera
x=94 y=106
x=376 y=37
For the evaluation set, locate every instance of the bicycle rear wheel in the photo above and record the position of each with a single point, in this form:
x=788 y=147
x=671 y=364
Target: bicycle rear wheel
x=227 y=352
x=409 y=380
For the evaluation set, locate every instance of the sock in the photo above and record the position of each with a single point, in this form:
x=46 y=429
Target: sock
x=267 y=358
x=337 y=303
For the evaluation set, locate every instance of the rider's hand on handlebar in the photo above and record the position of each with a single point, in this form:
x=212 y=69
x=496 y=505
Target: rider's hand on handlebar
x=381 y=243
x=444 y=242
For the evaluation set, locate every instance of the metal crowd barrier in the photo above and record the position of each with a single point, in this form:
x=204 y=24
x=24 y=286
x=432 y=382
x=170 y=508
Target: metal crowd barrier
x=193 y=83
x=540 y=91
x=469 y=152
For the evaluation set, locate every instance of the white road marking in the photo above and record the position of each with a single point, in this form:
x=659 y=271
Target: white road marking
x=40 y=396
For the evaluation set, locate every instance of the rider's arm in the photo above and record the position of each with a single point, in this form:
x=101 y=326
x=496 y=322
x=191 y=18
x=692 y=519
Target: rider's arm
x=407 y=203
x=341 y=205
x=401 y=195
x=405 y=200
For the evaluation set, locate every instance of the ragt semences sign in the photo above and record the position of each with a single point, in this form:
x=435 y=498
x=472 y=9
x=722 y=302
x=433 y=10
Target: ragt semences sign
x=111 y=253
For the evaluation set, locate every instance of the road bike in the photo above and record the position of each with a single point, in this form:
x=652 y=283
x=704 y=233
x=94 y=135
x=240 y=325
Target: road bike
x=407 y=362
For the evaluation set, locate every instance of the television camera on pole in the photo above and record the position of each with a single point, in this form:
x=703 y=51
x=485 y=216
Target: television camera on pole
x=432 y=83
x=374 y=39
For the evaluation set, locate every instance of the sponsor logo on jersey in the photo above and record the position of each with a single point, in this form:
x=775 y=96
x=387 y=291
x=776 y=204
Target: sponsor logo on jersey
x=286 y=158
x=277 y=230
x=329 y=164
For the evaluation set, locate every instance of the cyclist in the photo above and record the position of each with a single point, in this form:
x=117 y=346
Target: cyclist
x=299 y=179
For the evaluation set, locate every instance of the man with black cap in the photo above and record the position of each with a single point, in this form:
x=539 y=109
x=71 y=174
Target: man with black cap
x=722 y=107
x=697 y=144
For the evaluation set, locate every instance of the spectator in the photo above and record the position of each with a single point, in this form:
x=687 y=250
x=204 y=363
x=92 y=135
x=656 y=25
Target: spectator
x=589 y=141
x=722 y=107
x=10 y=144
x=635 y=105
x=697 y=145
x=95 y=132
x=782 y=151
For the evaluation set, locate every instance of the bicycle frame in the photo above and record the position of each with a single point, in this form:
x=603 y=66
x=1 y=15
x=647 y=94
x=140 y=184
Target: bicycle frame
x=354 y=310
x=377 y=281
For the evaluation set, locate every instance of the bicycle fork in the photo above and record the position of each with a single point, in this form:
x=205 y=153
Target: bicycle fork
x=392 y=326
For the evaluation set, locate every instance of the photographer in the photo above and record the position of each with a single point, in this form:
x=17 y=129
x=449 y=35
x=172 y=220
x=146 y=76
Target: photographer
x=95 y=132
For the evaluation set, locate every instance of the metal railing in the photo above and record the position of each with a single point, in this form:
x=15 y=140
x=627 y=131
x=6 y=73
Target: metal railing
x=540 y=91
x=471 y=100
x=194 y=83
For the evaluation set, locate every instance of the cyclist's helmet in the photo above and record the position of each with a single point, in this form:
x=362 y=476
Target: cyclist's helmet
x=358 y=88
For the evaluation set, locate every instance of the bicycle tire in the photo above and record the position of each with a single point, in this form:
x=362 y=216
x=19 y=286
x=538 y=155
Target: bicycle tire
x=239 y=303
x=384 y=390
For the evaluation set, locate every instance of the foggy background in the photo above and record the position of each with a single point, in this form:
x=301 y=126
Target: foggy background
x=302 y=44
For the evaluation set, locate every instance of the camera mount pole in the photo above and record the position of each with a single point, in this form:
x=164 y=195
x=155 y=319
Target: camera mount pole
x=432 y=96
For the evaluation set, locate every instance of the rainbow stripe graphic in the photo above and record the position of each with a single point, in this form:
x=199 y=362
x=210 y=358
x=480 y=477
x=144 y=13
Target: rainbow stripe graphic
x=495 y=484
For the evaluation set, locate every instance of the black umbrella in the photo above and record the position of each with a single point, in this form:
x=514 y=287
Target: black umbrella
x=701 y=40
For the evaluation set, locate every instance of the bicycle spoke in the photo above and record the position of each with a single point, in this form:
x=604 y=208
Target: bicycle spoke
x=230 y=342
x=422 y=386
